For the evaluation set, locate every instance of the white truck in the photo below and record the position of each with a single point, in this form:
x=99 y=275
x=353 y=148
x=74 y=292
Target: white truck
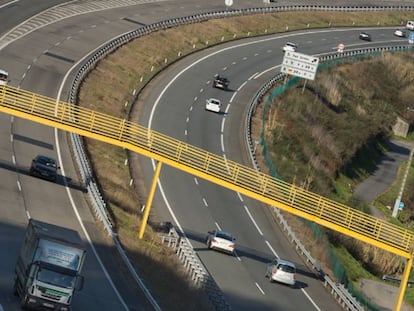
x=49 y=266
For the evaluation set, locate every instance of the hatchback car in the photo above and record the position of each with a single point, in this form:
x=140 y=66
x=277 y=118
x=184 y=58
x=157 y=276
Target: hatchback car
x=281 y=271
x=44 y=167
x=221 y=241
x=213 y=104
x=291 y=47
x=221 y=82
x=400 y=33
x=365 y=36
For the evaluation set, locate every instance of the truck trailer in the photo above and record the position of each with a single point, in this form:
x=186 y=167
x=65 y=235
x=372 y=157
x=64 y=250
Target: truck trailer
x=48 y=267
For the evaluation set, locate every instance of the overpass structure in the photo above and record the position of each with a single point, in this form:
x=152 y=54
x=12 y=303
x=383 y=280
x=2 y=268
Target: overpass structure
x=211 y=167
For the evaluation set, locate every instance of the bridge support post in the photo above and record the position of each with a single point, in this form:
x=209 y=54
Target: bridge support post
x=149 y=200
x=403 y=284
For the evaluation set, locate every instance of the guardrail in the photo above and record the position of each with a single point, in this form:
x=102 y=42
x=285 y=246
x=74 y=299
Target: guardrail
x=199 y=275
x=337 y=290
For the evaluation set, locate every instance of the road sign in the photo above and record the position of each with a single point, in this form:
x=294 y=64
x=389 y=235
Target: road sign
x=300 y=65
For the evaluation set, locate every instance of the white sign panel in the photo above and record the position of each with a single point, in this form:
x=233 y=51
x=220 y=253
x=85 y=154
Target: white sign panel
x=300 y=65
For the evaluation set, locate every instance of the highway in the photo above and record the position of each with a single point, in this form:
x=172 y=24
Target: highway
x=200 y=206
x=43 y=61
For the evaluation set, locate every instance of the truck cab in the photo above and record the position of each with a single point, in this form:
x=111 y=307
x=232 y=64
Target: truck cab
x=49 y=266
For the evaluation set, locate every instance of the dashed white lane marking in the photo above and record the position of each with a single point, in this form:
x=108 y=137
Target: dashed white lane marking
x=201 y=90
x=271 y=249
x=28 y=215
x=260 y=289
x=253 y=76
x=196 y=181
x=19 y=186
x=252 y=219
x=195 y=98
x=185 y=132
x=240 y=197
x=310 y=299
x=14 y=160
x=205 y=202
x=217 y=225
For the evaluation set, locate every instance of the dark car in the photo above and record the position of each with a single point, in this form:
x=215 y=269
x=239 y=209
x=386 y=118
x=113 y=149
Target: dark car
x=365 y=36
x=221 y=82
x=44 y=167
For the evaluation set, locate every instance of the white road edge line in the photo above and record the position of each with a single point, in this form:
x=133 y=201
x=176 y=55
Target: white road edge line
x=310 y=299
x=75 y=210
x=3 y=6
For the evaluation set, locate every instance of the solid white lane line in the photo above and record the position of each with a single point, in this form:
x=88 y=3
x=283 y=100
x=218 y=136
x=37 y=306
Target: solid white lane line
x=252 y=76
x=227 y=110
x=233 y=96
x=222 y=142
x=3 y=6
x=241 y=86
x=310 y=299
x=267 y=70
x=252 y=219
x=260 y=289
x=222 y=125
x=271 y=249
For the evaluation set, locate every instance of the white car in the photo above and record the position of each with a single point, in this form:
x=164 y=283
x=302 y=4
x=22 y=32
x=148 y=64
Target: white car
x=400 y=33
x=291 y=47
x=213 y=104
x=281 y=271
x=4 y=77
x=221 y=241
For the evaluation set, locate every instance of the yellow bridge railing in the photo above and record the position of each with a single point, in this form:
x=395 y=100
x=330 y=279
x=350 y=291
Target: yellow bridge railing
x=214 y=168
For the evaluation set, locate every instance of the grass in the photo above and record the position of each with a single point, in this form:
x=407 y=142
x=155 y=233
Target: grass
x=110 y=88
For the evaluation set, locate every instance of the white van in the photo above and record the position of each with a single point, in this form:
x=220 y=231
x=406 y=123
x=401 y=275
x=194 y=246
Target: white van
x=410 y=25
x=4 y=77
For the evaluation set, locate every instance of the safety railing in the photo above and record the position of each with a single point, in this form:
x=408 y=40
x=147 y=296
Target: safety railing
x=209 y=166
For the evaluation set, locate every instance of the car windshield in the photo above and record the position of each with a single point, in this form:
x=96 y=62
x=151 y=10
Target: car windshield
x=46 y=161
x=214 y=102
x=55 y=278
x=287 y=268
x=224 y=235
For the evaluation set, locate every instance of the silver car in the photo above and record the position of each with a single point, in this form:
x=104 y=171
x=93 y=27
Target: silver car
x=282 y=271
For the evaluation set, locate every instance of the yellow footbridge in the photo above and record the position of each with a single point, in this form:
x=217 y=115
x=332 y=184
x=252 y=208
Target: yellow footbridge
x=214 y=168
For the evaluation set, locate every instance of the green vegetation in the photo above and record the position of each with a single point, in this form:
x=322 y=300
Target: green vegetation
x=329 y=164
